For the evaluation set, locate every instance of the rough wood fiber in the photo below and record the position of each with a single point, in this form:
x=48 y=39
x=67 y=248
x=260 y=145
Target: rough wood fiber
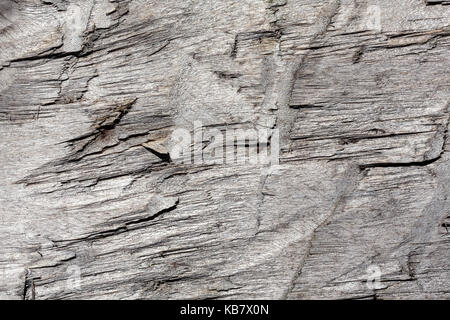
x=359 y=91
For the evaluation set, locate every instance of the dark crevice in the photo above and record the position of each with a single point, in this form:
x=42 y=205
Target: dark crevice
x=227 y=75
x=305 y=106
x=120 y=229
x=423 y=163
x=121 y=110
x=29 y=292
x=435 y=2
x=54 y=55
x=153 y=217
x=358 y=54
x=400 y=164
x=102 y=128
x=356 y=138
x=165 y=157
x=234 y=47
x=252 y=35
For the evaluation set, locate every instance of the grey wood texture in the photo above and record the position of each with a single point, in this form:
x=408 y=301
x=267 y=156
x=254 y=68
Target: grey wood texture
x=92 y=207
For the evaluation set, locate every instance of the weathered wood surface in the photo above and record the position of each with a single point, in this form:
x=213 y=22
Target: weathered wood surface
x=359 y=91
